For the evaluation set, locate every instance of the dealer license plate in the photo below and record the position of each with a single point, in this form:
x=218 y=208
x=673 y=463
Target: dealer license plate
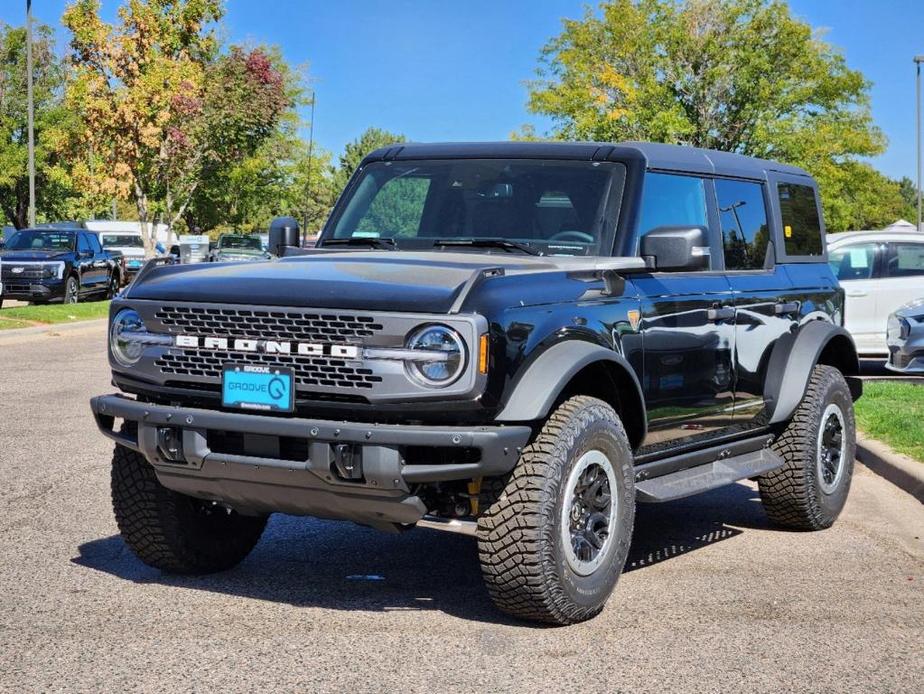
x=257 y=388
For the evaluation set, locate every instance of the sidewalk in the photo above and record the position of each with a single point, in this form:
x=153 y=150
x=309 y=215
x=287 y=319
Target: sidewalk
x=902 y=471
x=51 y=330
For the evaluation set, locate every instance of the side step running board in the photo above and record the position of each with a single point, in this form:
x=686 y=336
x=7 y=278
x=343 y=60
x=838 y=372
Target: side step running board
x=703 y=478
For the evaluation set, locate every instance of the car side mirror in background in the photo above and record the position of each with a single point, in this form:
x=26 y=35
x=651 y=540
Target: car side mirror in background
x=676 y=248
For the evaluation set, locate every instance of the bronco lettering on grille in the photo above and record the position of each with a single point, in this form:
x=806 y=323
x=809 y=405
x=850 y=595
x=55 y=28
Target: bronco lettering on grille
x=305 y=349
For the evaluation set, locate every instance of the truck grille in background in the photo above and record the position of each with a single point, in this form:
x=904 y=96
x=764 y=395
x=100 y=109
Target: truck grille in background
x=309 y=371
x=29 y=272
x=268 y=324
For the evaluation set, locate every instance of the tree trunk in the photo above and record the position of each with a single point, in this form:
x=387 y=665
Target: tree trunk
x=147 y=237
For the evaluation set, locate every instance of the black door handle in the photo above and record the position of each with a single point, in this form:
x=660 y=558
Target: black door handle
x=786 y=307
x=723 y=313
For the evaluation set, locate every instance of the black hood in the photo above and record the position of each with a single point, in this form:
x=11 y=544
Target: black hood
x=427 y=282
x=30 y=255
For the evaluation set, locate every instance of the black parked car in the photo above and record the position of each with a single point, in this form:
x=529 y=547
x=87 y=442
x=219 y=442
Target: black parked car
x=517 y=341
x=41 y=265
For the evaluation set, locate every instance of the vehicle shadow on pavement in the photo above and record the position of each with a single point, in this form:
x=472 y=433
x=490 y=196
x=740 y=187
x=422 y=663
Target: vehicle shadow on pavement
x=336 y=565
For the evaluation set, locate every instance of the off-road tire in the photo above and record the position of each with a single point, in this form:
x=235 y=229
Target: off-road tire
x=174 y=532
x=793 y=495
x=520 y=543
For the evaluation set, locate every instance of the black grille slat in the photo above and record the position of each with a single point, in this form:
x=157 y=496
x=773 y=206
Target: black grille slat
x=267 y=325
x=309 y=371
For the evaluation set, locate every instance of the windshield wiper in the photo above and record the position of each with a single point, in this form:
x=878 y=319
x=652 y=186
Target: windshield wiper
x=509 y=246
x=374 y=241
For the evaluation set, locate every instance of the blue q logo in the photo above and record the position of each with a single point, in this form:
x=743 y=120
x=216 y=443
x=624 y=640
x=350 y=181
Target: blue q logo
x=277 y=388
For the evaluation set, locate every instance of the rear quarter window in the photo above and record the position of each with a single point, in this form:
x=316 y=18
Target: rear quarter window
x=801 y=221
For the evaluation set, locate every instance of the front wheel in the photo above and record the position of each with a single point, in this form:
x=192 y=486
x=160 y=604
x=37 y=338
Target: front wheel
x=174 y=532
x=818 y=445
x=71 y=290
x=554 y=543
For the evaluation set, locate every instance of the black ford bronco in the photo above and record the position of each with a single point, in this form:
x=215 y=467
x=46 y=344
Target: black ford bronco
x=516 y=341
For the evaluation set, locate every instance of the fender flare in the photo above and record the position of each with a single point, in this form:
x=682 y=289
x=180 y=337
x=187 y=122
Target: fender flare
x=540 y=385
x=791 y=363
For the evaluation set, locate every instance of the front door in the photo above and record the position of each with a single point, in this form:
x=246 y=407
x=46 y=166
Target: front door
x=687 y=324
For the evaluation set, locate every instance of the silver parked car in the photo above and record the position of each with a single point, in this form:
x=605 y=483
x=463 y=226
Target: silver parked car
x=905 y=337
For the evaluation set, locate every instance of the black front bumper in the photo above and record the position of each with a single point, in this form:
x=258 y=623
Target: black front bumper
x=33 y=290
x=307 y=484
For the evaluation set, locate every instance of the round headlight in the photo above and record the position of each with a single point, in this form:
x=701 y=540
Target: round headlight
x=126 y=351
x=447 y=360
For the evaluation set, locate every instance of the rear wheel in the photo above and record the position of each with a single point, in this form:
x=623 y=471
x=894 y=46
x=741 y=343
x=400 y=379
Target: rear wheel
x=174 y=532
x=553 y=544
x=818 y=445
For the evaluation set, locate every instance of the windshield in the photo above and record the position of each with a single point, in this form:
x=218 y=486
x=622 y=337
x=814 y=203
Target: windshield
x=552 y=207
x=31 y=240
x=250 y=243
x=121 y=241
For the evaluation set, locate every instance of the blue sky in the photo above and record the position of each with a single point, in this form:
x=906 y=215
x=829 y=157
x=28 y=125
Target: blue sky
x=449 y=70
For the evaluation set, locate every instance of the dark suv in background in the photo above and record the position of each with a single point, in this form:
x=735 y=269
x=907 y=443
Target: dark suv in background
x=41 y=265
x=517 y=341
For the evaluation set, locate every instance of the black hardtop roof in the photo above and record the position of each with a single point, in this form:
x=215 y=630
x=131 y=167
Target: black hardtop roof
x=655 y=155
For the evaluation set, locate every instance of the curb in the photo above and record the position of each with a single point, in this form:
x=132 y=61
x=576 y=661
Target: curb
x=900 y=470
x=51 y=328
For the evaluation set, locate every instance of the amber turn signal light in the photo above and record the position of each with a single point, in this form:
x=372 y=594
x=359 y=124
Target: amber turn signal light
x=483 y=354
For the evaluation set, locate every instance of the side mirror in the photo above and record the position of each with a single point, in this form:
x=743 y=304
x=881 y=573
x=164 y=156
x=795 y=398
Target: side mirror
x=677 y=248
x=283 y=233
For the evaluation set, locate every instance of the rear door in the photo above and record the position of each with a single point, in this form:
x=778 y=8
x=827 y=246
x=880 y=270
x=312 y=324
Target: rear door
x=687 y=323
x=765 y=308
x=858 y=267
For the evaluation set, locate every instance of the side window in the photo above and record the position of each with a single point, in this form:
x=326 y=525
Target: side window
x=854 y=262
x=396 y=209
x=745 y=232
x=906 y=260
x=83 y=245
x=672 y=200
x=801 y=223
x=94 y=243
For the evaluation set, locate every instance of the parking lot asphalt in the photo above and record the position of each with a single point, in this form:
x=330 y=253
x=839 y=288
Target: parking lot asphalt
x=713 y=598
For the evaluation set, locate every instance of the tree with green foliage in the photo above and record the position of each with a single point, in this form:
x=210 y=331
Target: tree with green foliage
x=52 y=191
x=274 y=179
x=354 y=152
x=162 y=106
x=909 y=194
x=735 y=75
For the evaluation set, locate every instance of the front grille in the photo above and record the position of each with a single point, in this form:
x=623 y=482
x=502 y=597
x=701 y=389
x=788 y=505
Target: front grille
x=268 y=324
x=310 y=372
x=29 y=272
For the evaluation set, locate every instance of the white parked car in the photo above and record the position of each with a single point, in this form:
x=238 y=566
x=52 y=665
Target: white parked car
x=880 y=271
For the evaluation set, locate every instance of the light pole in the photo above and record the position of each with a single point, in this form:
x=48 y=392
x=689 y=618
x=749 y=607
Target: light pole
x=31 y=111
x=918 y=59
x=308 y=173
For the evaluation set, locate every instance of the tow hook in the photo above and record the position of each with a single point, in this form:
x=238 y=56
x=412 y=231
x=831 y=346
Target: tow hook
x=348 y=461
